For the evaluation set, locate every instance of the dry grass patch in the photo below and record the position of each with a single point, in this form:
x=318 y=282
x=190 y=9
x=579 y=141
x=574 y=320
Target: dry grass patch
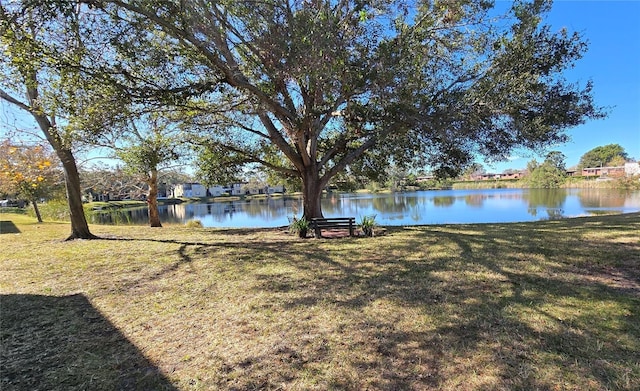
x=547 y=305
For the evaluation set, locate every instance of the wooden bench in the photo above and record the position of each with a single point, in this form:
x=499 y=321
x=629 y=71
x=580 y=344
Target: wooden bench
x=318 y=224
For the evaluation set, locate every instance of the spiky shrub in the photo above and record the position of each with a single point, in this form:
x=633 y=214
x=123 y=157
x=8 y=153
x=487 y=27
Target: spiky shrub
x=368 y=224
x=299 y=226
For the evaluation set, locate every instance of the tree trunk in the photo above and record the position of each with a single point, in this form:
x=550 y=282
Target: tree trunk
x=312 y=194
x=79 y=226
x=152 y=199
x=36 y=210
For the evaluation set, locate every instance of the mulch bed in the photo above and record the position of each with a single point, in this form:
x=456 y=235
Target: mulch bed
x=344 y=233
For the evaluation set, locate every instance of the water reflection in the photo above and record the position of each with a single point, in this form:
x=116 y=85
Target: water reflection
x=475 y=200
x=132 y=216
x=591 y=198
x=393 y=203
x=218 y=213
x=413 y=208
x=444 y=201
x=550 y=200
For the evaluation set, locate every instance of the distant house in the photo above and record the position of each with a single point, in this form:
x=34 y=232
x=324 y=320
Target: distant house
x=424 y=178
x=275 y=189
x=219 y=190
x=235 y=189
x=197 y=190
x=216 y=191
x=632 y=168
x=511 y=175
x=629 y=169
x=92 y=195
x=268 y=189
x=614 y=172
x=489 y=176
x=189 y=190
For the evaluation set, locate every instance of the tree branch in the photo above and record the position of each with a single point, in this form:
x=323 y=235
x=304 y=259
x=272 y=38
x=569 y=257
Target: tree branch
x=228 y=67
x=4 y=95
x=348 y=159
x=276 y=137
x=250 y=158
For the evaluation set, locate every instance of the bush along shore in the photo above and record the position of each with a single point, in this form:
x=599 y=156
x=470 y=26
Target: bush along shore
x=627 y=183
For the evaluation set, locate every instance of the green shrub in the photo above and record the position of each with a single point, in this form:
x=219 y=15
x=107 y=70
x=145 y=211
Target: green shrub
x=374 y=187
x=628 y=183
x=13 y=209
x=368 y=224
x=431 y=184
x=53 y=210
x=299 y=226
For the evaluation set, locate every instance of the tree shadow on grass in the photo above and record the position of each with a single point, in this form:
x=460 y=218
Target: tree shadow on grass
x=64 y=343
x=8 y=227
x=513 y=324
x=480 y=307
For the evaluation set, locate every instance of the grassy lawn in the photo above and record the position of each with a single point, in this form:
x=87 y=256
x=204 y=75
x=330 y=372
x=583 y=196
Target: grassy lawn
x=534 y=306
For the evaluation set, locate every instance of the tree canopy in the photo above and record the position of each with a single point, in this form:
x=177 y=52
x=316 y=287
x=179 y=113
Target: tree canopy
x=548 y=175
x=311 y=88
x=325 y=84
x=27 y=171
x=603 y=156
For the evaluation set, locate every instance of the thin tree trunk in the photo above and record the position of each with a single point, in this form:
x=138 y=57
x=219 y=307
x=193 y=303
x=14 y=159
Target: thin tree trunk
x=36 y=210
x=152 y=200
x=79 y=225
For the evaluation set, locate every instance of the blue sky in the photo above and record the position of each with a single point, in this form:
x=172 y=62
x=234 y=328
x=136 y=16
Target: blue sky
x=612 y=29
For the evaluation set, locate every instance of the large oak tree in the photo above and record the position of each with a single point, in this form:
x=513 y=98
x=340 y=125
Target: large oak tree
x=317 y=86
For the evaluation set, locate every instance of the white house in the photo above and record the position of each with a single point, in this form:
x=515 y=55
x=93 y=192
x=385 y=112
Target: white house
x=216 y=191
x=189 y=190
x=234 y=189
x=275 y=189
x=268 y=189
x=632 y=168
x=196 y=190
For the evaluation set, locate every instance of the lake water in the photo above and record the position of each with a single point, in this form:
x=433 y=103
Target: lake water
x=408 y=208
